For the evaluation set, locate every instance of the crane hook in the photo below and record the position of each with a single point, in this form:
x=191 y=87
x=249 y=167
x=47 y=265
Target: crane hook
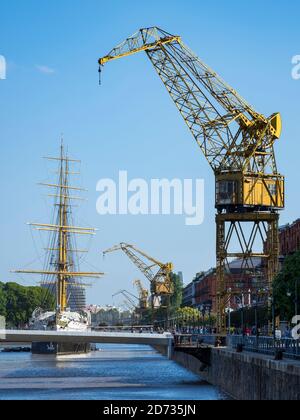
x=100 y=71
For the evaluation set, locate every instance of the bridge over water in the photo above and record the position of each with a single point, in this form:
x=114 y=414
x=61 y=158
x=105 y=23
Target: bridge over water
x=161 y=341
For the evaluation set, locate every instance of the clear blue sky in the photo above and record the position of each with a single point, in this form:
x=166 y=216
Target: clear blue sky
x=129 y=123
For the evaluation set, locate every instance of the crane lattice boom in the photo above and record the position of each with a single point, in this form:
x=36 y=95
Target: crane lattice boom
x=143 y=294
x=160 y=281
x=237 y=141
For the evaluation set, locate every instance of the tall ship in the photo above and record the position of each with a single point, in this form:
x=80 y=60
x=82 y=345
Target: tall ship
x=61 y=275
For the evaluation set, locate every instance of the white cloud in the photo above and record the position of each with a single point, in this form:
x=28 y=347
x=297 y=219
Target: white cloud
x=45 y=69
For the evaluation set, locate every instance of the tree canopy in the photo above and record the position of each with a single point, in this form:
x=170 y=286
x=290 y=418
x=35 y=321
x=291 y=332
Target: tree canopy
x=287 y=287
x=17 y=302
x=189 y=314
x=176 y=298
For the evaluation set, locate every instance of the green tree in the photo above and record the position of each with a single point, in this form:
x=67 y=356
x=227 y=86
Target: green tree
x=188 y=315
x=176 y=298
x=2 y=300
x=17 y=302
x=287 y=287
x=15 y=305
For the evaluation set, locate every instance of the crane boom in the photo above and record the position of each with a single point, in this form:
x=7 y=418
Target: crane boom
x=128 y=250
x=131 y=299
x=150 y=39
x=160 y=281
x=143 y=295
x=231 y=140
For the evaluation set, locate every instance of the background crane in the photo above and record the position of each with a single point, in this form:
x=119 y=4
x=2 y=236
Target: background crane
x=130 y=304
x=143 y=295
x=137 y=304
x=161 y=286
x=238 y=143
x=131 y=299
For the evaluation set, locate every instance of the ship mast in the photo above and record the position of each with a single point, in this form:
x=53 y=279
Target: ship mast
x=65 y=273
x=63 y=221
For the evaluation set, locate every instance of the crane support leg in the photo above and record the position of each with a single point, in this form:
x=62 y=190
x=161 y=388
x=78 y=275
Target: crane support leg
x=239 y=235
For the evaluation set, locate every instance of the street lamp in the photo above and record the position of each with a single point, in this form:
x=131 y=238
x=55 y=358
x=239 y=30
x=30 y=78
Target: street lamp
x=289 y=294
x=254 y=302
x=249 y=298
x=209 y=317
x=229 y=311
x=272 y=302
x=242 y=315
x=198 y=321
x=203 y=316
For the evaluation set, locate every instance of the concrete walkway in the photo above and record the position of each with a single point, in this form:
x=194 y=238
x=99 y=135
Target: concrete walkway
x=28 y=336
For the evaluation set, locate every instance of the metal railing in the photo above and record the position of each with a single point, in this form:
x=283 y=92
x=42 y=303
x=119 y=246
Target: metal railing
x=266 y=345
x=187 y=340
x=197 y=340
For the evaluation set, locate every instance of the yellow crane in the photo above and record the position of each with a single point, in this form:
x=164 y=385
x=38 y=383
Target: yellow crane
x=131 y=299
x=139 y=304
x=238 y=143
x=161 y=283
x=143 y=295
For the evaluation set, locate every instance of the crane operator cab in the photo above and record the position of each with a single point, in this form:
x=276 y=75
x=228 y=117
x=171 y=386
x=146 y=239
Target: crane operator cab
x=236 y=190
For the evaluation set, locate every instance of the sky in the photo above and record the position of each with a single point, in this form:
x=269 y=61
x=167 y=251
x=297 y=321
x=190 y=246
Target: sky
x=129 y=123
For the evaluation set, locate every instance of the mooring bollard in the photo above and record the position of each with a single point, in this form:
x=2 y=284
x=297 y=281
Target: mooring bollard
x=278 y=355
x=240 y=348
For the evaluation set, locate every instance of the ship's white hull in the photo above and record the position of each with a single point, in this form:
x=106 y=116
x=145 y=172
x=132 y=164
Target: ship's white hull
x=66 y=321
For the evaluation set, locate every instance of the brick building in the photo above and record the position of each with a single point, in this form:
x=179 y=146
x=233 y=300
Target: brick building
x=289 y=238
x=206 y=290
x=188 y=295
x=202 y=291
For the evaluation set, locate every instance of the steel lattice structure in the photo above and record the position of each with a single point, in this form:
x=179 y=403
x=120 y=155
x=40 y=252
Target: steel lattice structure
x=237 y=141
x=160 y=281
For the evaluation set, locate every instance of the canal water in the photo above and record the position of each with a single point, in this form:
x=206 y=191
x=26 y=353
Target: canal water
x=112 y=373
